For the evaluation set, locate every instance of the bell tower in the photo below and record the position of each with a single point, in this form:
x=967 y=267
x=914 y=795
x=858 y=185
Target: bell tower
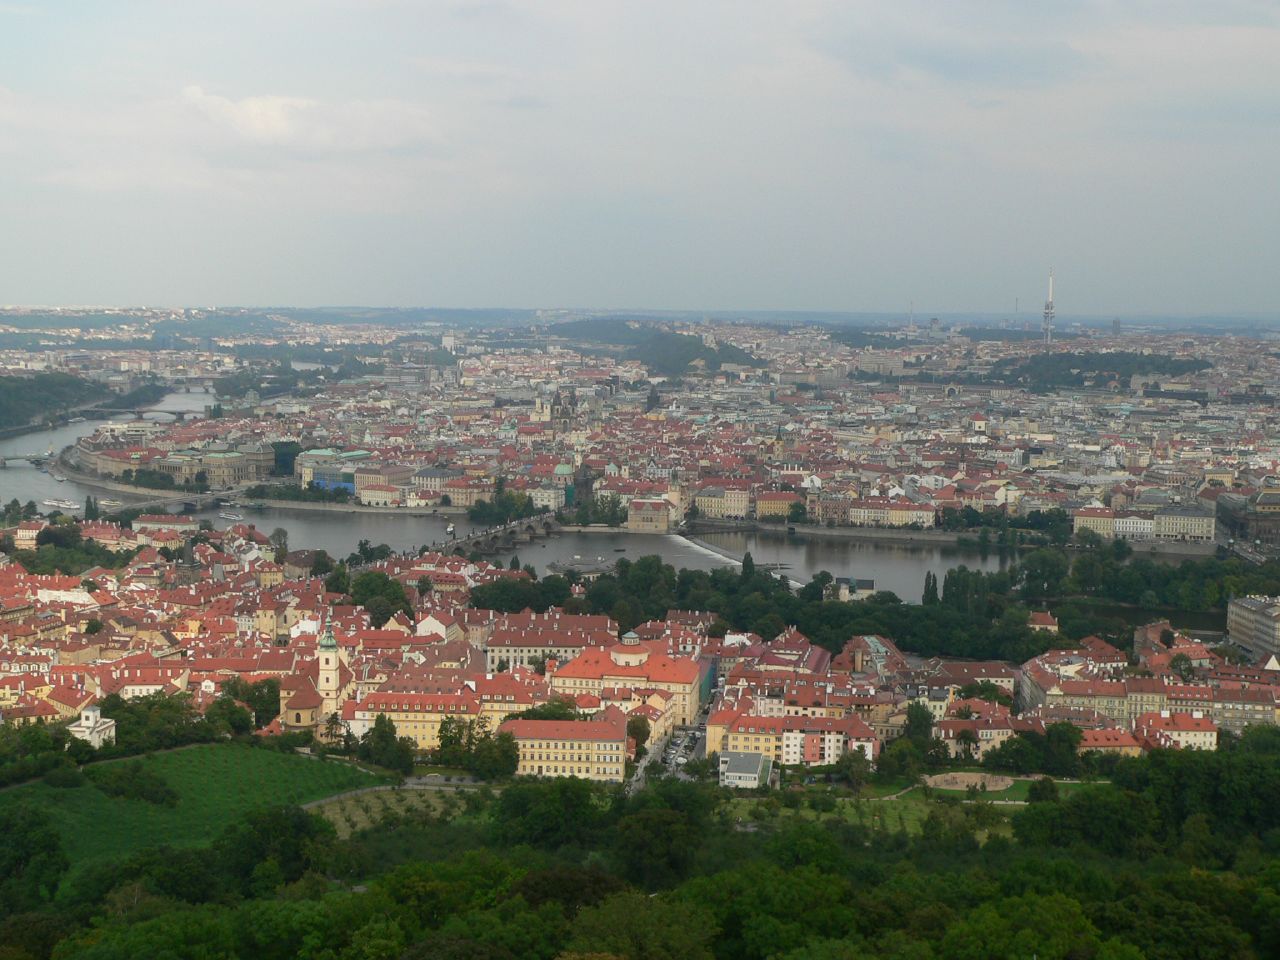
x=327 y=683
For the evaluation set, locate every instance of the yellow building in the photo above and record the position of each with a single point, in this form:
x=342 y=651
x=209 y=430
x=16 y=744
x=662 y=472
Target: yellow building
x=416 y=715
x=1184 y=523
x=633 y=664
x=649 y=516
x=1100 y=520
x=593 y=749
x=776 y=503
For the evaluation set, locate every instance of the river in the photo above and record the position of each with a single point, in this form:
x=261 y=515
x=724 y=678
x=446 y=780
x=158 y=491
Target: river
x=21 y=480
x=893 y=566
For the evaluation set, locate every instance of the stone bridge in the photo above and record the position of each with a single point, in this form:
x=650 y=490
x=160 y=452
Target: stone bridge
x=503 y=538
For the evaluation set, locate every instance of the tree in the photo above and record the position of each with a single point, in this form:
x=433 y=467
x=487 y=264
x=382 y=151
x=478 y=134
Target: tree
x=919 y=726
x=930 y=595
x=635 y=926
x=380 y=745
x=1043 y=574
x=379 y=609
x=653 y=401
x=262 y=697
x=797 y=512
x=1052 y=927
x=228 y=716
x=374 y=585
x=31 y=859
x=655 y=847
x=65 y=536
x=338 y=580
x=638 y=730
x=1043 y=790
x=494 y=756
x=1181 y=664
x=853 y=768
x=91 y=511
x=93 y=626
x=748 y=566
x=280 y=540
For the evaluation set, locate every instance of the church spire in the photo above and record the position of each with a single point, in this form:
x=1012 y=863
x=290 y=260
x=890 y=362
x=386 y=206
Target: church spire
x=327 y=640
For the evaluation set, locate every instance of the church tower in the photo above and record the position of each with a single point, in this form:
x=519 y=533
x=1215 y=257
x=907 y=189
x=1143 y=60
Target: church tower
x=328 y=682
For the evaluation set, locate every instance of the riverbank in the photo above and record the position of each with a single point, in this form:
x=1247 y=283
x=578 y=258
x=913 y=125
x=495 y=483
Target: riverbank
x=145 y=494
x=806 y=530
x=966 y=539
x=304 y=506
x=603 y=528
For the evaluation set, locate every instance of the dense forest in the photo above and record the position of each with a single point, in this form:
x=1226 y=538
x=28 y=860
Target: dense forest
x=1174 y=858
x=25 y=400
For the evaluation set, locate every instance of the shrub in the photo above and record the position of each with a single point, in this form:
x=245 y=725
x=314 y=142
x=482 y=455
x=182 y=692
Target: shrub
x=64 y=777
x=133 y=781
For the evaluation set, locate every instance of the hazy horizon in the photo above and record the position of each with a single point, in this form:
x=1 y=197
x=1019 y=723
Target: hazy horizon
x=813 y=157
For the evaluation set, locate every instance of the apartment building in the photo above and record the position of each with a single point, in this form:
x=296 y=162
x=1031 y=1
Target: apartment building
x=1254 y=623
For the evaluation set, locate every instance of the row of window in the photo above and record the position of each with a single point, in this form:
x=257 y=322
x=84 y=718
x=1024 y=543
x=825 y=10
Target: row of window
x=601 y=747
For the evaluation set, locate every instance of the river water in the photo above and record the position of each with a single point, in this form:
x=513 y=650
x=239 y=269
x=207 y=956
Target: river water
x=897 y=567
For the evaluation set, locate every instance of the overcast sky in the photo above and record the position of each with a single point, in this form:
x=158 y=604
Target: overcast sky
x=697 y=155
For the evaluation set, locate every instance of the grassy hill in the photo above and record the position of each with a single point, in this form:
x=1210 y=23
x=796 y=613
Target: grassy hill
x=216 y=783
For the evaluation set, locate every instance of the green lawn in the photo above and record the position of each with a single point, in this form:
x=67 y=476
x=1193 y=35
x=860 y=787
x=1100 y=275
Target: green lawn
x=216 y=783
x=1016 y=792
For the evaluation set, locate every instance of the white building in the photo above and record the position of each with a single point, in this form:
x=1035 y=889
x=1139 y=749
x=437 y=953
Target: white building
x=1131 y=525
x=93 y=728
x=745 y=771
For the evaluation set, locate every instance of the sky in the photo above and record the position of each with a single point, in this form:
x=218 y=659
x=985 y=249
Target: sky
x=694 y=155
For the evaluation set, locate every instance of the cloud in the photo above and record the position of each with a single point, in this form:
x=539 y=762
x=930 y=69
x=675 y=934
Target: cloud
x=312 y=125
x=741 y=152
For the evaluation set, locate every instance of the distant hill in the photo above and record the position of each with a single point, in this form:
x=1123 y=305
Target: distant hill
x=662 y=351
x=1083 y=369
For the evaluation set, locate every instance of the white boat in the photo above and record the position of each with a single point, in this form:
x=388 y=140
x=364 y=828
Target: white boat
x=108 y=503
x=51 y=503
x=59 y=477
x=448 y=531
x=69 y=505
x=229 y=516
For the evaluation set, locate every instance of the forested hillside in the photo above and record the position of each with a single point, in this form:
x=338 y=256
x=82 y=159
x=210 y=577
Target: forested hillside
x=25 y=400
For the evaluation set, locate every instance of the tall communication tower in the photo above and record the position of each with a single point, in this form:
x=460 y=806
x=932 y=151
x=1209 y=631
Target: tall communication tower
x=1047 y=326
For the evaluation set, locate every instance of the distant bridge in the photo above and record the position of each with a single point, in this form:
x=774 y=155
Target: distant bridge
x=503 y=538
x=138 y=412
